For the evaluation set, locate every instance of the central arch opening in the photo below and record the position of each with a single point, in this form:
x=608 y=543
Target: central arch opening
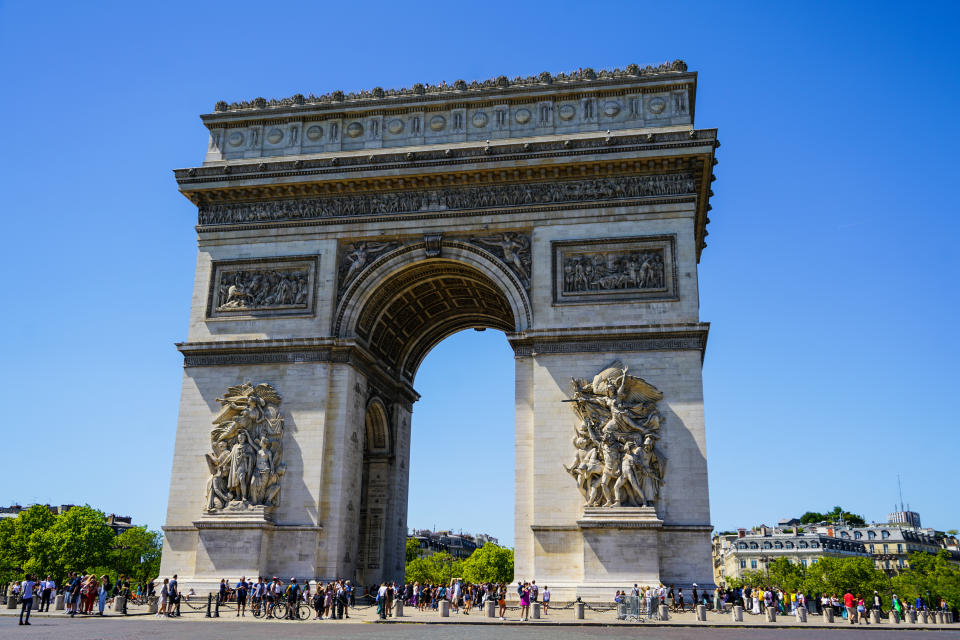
x=401 y=319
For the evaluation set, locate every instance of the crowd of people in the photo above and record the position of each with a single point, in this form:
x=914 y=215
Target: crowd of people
x=81 y=593
x=462 y=596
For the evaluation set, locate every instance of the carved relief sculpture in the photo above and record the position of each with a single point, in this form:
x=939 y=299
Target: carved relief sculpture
x=617 y=462
x=513 y=249
x=357 y=256
x=488 y=196
x=613 y=271
x=246 y=463
x=265 y=287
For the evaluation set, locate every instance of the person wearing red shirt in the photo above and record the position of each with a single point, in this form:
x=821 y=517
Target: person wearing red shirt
x=848 y=603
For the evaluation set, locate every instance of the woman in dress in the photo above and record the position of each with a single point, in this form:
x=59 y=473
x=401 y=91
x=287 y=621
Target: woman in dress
x=502 y=601
x=756 y=603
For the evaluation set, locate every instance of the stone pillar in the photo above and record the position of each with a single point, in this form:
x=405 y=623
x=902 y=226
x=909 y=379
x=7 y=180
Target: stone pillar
x=701 y=611
x=491 y=608
x=893 y=617
x=11 y=602
x=941 y=619
x=828 y=614
x=397 y=608
x=578 y=611
x=923 y=617
x=801 y=614
x=59 y=604
x=737 y=613
x=664 y=612
x=118 y=604
x=152 y=604
x=912 y=617
x=444 y=608
x=874 y=616
x=535 y=610
x=771 y=614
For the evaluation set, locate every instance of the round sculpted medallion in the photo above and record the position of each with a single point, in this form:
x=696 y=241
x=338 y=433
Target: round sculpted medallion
x=274 y=136
x=522 y=116
x=395 y=126
x=567 y=112
x=315 y=133
x=611 y=108
x=355 y=130
x=480 y=119
x=437 y=123
x=235 y=139
x=656 y=106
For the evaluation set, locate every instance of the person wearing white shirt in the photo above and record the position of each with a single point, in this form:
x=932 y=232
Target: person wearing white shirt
x=47 y=588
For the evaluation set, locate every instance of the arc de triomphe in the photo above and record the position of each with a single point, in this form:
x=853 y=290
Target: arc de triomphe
x=341 y=237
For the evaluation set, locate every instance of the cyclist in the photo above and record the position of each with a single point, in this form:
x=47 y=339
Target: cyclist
x=293 y=598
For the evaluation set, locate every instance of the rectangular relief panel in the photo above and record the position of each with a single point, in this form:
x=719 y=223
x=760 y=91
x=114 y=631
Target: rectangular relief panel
x=263 y=288
x=633 y=269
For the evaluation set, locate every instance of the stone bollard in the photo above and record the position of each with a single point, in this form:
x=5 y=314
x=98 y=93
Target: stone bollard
x=491 y=607
x=119 y=603
x=941 y=618
x=949 y=617
x=664 y=612
x=11 y=602
x=701 y=613
x=738 y=614
x=828 y=614
x=397 y=608
x=893 y=617
x=923 y=617
x=444 y=608
x=535 y=610
x=59 y=603
x=578 y=610
x=771 y=614
x=152 y=604
x=912 y=617
x=874 y=616
x=801 y=614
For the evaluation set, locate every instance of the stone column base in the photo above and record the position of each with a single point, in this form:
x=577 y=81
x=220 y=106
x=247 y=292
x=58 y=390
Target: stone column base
x=621 y=546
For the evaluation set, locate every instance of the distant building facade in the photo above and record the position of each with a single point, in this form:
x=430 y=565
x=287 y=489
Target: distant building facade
x=891 y=544
x=458 y=545
x=736 y=554
x=118 y=524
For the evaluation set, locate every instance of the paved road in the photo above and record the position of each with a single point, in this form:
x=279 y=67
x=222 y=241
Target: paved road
x=152 y=629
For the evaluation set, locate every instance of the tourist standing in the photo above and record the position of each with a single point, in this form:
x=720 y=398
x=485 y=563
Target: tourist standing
x=524 y=602
x=546 y=599
x=26 y=598
x=242 y=587
x=104 y=591
x=47 y=587
x=502 y=600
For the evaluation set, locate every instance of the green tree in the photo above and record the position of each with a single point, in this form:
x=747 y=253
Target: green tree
x=786 y=575
x=490 y=563
x=413 y=549
x=437 y=568
x=22 y=542
x=79 y=539
x=839 y=575
x=931 y=577
x=852 y=519
x=136 y=553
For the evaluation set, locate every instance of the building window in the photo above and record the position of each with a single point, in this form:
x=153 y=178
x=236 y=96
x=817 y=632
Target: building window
x=902 y=565
x=743 y=564
x=767 y=545
x=742 y=545
x=871 y=534
x=857 y=535
x=814 y=545
x=753 y=545
x=778 y=545
x=844 y=534
x=789 y=545
x=886 y=548
x=899 y=548
x=884 y=534
x=803 y=562
x=753 y=564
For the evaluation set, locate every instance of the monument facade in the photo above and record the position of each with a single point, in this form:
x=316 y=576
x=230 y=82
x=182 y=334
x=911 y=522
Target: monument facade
x=341 y=237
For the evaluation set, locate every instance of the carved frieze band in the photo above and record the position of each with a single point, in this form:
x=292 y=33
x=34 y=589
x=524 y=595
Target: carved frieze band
x=615 y=270
x=688 y=342
x=262 y=288
x=458 y=198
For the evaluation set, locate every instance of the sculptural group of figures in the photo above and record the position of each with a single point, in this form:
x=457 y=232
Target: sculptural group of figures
x=263 y=288
x=496 y=195
x=612 y=271
x=617 y=462
x=247 y=442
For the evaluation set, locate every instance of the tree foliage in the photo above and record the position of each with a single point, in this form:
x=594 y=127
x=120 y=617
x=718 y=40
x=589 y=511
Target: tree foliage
x=413 y=549
x=39 y=542
x=838 y=513
x=931 y=577
x=437 y=568
x=490 y=563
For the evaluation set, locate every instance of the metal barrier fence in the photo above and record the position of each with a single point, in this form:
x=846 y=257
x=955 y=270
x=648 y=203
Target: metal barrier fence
x=637 y=608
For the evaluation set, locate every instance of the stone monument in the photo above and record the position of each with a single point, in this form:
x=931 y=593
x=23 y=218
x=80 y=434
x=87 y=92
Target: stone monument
x=342 y=236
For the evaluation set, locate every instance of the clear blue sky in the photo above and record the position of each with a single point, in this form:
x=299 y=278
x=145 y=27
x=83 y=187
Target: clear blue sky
x=830 y=278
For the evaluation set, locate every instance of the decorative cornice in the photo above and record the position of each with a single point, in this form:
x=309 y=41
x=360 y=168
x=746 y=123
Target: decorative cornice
x=386 y=97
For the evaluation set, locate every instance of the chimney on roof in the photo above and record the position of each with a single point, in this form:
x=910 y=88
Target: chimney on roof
x=796 y=530
x=763 y=530
x=741 y=532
